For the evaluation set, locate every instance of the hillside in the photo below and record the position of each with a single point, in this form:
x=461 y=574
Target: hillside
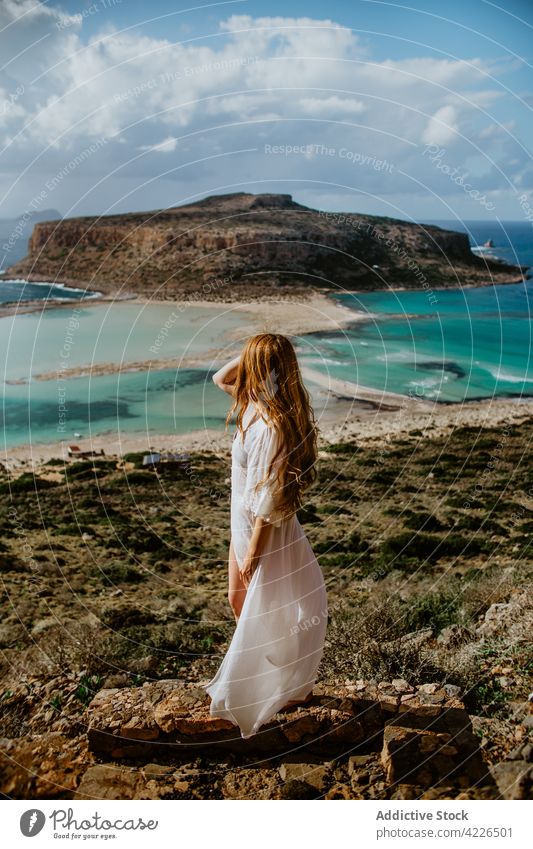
x=115 y=601
x=232 y=246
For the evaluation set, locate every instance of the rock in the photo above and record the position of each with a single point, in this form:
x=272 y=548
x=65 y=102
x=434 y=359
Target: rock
x=425 y=757
x=418 y=638
x=251 y=783
x=402 y=686
x=116 y=681
x=389 y=703
x=378 y=790
x=527 y=752
x=106 y=781
x=516 y=754
x=513 y=779
x=426 y=739
x=302 y=726
x=296 y=789
x=451 y=636
x=496 y=617
x=144 y=665
x=406 y=791
x=428 y=688
x=360 y=778
x=156 y=770
x=312 y=774
x=341 y=791
x=44 y=625
x=452 y=690
x=356 y=762
x=61 y=761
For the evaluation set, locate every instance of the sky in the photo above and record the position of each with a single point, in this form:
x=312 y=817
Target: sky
x=417 y=110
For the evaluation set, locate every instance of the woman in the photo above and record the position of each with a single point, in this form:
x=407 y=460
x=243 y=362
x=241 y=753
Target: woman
x=276 y=588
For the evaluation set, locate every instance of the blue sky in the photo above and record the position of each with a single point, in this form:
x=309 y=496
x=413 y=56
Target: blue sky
x=381 y=107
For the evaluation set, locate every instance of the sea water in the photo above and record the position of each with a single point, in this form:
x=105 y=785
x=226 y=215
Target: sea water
x=446 y=345
x=19 y=291
x=460 y=345
x=167 y=400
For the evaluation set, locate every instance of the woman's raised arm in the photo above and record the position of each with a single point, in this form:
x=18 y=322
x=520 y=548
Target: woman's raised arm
x=226 y=376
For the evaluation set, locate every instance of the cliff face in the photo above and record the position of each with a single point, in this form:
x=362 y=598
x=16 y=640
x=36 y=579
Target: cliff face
x=229 y=246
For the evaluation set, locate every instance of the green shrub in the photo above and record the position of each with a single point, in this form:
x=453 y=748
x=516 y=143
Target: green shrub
x=117 y=572
x=88 y=687
x=485 y=697
x=434 y=610
x=423 y=521
x=27 y=482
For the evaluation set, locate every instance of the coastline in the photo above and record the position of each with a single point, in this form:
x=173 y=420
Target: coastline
x=370 y=418
x=97 y=297
x=348 y=411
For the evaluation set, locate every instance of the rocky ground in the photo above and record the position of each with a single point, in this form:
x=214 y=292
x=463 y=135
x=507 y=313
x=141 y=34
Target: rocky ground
x=114 y=599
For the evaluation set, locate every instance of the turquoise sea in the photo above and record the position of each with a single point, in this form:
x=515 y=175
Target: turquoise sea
x=170 y=400
x=21 y=290
x=457 y=345
x=461 y=345
x=470 y=344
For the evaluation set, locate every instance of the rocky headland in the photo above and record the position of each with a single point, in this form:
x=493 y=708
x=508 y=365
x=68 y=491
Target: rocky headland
x=236 y=246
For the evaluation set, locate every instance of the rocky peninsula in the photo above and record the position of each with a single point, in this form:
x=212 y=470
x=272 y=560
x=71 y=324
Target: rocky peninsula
x=240 y=246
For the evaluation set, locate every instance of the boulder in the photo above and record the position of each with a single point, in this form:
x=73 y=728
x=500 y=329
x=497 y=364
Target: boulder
x=429 y=758
x=514 y=779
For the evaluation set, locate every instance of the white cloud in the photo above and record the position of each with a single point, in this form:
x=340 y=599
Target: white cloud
x=282 y=80
x=168 y=145
x=442 y=128
x=333 y=105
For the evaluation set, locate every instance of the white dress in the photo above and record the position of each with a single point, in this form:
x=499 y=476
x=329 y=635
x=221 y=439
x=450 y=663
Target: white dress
x=279 y=639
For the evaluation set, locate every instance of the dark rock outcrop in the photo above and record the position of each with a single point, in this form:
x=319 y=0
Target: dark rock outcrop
x=232 y=246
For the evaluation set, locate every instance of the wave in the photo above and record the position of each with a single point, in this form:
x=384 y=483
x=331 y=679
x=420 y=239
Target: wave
x=321 y=360
x=500 y=374
x=49 y=285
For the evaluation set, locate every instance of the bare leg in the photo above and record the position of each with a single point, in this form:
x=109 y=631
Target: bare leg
x=236 y=587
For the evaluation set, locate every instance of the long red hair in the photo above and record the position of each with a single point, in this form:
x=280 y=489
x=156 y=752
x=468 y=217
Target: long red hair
x=269 y=376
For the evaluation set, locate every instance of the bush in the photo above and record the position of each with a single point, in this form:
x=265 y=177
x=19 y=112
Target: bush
x=433 y=610
x=352 y=543
x=307 y=514
x=368 y=640
x=485 y=697
x=343 y=448
x=118 y=572
x=407 y=546
x=27 y=482
x=423 y=521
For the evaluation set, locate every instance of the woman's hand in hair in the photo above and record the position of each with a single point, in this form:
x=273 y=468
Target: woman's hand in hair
x=226 y=377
